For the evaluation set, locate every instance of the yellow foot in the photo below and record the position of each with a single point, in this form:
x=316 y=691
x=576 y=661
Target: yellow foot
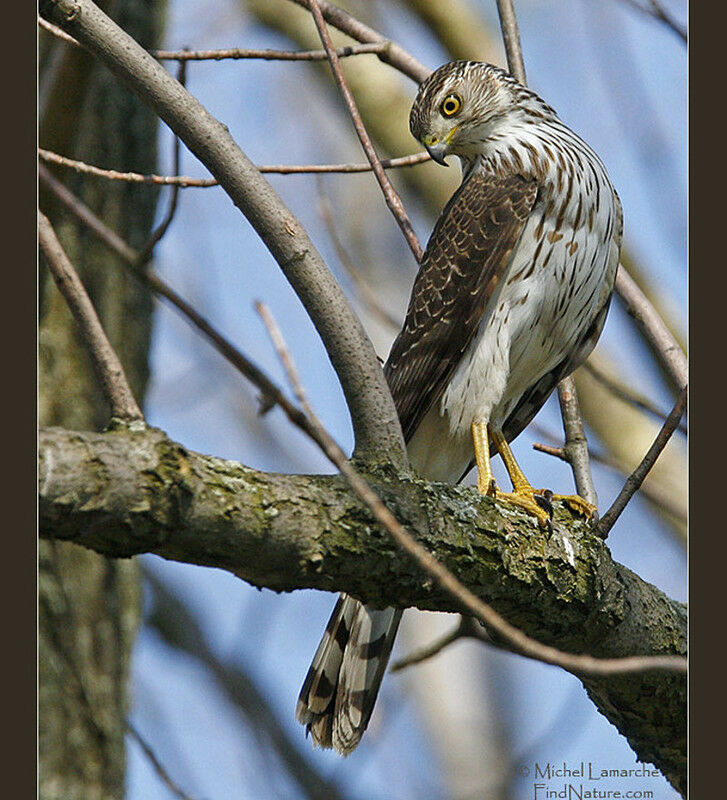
x=526 y=500
x=575 y=502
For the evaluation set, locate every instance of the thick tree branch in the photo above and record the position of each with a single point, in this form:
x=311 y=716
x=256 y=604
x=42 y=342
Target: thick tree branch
x=126 y=492
x=375 y=422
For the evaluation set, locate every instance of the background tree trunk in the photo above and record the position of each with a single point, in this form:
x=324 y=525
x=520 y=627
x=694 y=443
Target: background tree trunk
x=89 y=605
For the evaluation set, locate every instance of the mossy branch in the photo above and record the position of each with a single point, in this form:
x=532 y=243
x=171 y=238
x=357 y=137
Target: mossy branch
x=132 y=490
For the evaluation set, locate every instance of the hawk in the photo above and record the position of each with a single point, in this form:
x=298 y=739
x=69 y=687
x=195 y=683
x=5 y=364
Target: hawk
x=511 y=296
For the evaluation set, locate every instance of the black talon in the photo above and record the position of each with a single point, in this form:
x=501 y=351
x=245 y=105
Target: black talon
x=544 y=501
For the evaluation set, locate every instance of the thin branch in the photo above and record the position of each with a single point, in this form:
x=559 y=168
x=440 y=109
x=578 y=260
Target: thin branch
x=184 y=181
x=268 y=55
x=428 y=651
x=658 y=497
x=237 y=53
x=159 y=768
x=56 y=31
x=393 y=201
x=113 y=380
x=518 y=641
x=394 y=55
x=468 y=628
x=511 y=38
x=653 y=328
x=130 y=257
x=373 y=414
x=627 y=395
x=658 y=12
x=576 y=445
x=636 y=478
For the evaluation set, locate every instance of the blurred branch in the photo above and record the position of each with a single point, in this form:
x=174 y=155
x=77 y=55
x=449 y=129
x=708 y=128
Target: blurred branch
x=393 y=201
x=460 y=28
x=375 y=422
x=634 y=481
x=466 y=629
x=111 y=373
x=368 y=295
x=159 y=768
x=657 y=11
x=628 y=395
x=174 y=622
x=146 y=251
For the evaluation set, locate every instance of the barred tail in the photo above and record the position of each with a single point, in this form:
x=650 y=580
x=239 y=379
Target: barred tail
x=339 y=692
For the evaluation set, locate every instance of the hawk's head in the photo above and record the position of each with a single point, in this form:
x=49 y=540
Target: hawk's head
x=463 y=103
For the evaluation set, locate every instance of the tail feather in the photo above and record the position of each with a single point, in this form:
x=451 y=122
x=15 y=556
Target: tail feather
x=339 y=692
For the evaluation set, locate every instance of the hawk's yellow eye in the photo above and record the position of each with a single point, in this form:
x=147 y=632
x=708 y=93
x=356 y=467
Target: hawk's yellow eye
x=450 y=105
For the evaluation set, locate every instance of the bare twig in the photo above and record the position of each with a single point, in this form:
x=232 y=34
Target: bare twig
x=660 y=498
x=658 y=12
x=467 y=628
x=184 y=181
x=113 y=380
x=653 y=328
x=516 y=640
x=627 y=395
x=394 y=55
x=576 y=446
x=268 y=55
x=511 y=39
x=159 y=768
x=393 y=201
x=428 y=651
x=56 y=31
x=238 y=53
x=636 y=478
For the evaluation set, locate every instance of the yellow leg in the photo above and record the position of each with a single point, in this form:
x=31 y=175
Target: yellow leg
x=521 y=485
x=523 y=496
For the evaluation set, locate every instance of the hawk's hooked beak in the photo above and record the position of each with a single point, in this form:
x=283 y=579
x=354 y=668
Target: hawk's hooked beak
x=437 y=149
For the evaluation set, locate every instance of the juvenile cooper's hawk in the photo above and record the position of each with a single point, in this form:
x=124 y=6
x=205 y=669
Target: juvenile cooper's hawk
x=511 y=297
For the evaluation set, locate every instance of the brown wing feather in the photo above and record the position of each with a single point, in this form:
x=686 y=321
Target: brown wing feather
x=469 y=249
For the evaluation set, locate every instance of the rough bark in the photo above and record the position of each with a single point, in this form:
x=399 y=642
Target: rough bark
x=132 y=490
x=89 y=605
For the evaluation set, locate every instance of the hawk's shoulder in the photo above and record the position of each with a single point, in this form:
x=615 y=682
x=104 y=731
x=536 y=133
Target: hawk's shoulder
x=469 y=249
